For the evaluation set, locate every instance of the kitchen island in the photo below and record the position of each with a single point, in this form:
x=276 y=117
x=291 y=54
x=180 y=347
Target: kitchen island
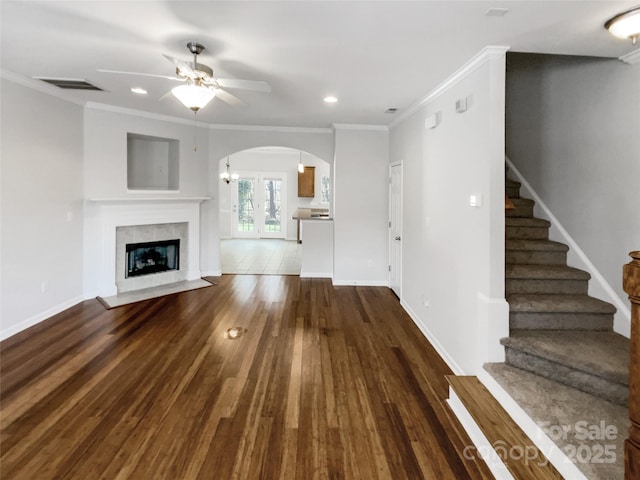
x=315 y=232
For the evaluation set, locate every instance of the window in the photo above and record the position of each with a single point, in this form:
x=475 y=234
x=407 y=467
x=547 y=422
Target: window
x=325 y=189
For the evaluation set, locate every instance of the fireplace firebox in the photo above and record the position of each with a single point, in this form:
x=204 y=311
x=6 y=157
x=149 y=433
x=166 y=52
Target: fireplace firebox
x=152 y=257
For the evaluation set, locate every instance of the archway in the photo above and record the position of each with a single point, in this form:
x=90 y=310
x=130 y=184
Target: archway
x=256 y=204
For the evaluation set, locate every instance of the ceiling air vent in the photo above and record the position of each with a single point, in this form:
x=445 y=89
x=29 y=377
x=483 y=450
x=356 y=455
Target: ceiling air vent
x=391 y=110
x=70 y=83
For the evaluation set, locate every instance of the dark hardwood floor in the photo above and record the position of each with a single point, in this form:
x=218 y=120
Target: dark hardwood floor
x=327 y=382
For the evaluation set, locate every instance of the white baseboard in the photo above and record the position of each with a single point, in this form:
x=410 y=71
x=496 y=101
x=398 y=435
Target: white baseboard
x=212 y=273
x=35 y=319
x=316 y=275
x=455 y=368
x=537 y=435
x=600 y=288
x=360 y=283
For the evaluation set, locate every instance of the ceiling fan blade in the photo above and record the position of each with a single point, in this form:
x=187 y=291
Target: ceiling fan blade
x=257 y=86
x=166 y=95
x=141 y=74
x=184 y=67
x=229 y=98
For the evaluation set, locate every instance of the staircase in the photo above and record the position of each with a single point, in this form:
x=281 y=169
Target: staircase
x=556 y=330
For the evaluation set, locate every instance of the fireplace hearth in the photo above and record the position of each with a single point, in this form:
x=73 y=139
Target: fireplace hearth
x=152 y=257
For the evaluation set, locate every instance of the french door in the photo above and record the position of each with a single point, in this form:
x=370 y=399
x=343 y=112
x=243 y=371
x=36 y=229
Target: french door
x=259 y=205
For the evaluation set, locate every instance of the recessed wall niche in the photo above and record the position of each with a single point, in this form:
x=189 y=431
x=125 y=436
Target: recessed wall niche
x=153 y=163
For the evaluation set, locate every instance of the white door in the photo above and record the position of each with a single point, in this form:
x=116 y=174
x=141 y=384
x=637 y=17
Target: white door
x=395 y=228
x=259 y=205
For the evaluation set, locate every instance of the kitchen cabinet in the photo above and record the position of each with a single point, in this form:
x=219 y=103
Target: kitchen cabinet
x=307 y=182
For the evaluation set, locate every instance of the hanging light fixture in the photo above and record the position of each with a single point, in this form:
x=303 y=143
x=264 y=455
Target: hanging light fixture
x=300 y=165
x=194 y=95
x=227 y=176
x=625 y=25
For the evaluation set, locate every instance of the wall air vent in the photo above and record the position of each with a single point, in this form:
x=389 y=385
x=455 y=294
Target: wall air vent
x=70 y=83
x=391 y=110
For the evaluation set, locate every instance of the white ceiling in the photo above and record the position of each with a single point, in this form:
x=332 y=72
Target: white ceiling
x=372 y=55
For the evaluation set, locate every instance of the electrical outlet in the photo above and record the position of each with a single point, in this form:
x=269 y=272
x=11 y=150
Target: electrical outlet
x=425 y=302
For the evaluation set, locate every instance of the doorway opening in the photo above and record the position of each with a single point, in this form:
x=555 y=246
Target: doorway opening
x=257 y=202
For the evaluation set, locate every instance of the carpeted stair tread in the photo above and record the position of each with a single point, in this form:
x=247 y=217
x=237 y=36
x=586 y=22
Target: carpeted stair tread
x=536 y=245
x=526 y=222
x=544 y=272
x=512 y=183
x=523 y=202
x=541 y=303
x=552 y=405
x=603 y=354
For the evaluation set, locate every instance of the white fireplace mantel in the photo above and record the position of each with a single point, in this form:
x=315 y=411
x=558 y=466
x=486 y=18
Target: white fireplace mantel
x=104 y=215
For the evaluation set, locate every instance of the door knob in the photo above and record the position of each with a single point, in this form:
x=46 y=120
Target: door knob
x=397 y=238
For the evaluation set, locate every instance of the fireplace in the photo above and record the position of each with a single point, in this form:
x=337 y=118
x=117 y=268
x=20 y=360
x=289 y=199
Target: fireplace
x=152 y=257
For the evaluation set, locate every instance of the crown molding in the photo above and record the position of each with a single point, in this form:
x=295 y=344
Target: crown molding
x=141 y=113
x=356 y=126
x=40 y=86
x=479 y=59
x=631 y=58
x=267 y=128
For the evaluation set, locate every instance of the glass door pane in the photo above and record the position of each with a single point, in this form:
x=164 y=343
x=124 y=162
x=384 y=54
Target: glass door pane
x=246 y=205
x=272 y=205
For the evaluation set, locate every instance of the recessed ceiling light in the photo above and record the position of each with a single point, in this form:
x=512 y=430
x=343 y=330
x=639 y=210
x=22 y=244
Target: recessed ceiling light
x=139 y=91
x=496 y=12
x=330 y=99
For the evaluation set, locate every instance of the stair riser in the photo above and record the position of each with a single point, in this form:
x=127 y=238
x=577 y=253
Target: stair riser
x=527 y=233
x=513 y=192
x=535 y=257
x=560 y=321
x=520 y=211
x=586 y=382
x=552 y=286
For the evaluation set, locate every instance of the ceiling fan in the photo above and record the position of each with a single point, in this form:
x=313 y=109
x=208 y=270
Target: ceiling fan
x=201 y=86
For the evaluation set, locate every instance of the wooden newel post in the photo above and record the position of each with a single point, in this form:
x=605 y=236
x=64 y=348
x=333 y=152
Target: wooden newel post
x=631 y=285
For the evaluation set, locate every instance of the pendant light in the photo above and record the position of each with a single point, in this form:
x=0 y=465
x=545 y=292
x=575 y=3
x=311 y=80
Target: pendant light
x=300 y=165
x=227 y=176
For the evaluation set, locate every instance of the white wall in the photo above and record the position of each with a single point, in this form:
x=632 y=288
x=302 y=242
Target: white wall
x=105 y=168
x=573 y=131
x=278 y=160
x=42 y=207
x=453 y=254
x=361 y=206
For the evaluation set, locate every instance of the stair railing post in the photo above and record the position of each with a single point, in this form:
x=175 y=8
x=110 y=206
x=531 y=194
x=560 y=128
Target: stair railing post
x=631 y=285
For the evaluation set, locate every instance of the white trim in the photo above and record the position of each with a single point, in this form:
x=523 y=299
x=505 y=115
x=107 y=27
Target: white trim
x=360 y=283
x=554 y=454
x=212 y=273
x=142 y=199
x=622 y=318
x=140 y=113
x=39 y=317
x=484 y=449
x=631 y=58
x=267 y=128
x=391 y=165
x=316 y=275
x=40 y=86
x=356 y=126
x=455 y=368
x=487 y=53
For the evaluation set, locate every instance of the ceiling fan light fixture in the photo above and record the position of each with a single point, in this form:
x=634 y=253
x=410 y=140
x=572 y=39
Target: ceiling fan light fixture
x=625 y=25
x=194 y=96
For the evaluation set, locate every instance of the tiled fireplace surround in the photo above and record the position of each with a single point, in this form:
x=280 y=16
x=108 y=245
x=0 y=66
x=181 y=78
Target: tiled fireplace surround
x=117 y=222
